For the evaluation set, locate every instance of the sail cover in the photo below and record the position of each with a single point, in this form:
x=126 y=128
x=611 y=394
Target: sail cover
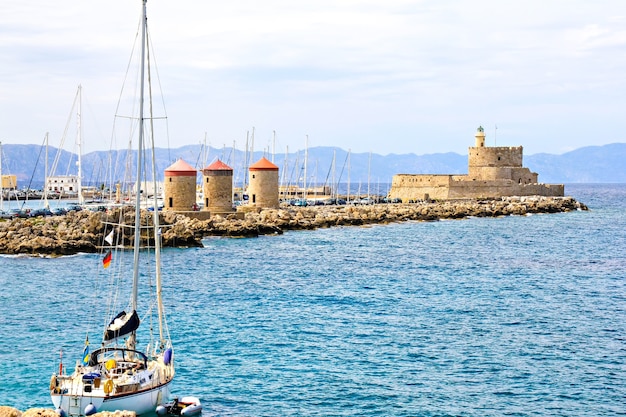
x=121 y=325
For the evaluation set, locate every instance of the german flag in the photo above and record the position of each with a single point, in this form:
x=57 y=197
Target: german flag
x=107 y=260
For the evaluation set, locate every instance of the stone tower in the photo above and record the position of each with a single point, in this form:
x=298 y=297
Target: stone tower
x=263 y=189
x=493 y=163
x=218 y=187
x=180 y=187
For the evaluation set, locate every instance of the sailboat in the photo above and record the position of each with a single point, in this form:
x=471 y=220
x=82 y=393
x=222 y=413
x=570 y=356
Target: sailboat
x=117 y=375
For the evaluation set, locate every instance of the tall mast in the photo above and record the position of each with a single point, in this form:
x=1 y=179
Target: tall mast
x=369 y=165
x=245 y=163
x=132 y=339
x=235 y=181
x=348 y=194
x=81 y=200
x=1 y=180
x=45 y=177
x=306 y=157
x=333 y=190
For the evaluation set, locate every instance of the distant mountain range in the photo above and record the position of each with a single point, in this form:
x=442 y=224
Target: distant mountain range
x=591 y=164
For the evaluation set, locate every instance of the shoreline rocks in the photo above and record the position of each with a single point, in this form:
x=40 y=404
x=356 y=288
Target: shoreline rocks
x=6 y=411
x=84 y=231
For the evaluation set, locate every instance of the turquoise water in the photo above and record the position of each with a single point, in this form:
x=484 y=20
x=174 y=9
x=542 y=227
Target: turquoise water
x=515 y=316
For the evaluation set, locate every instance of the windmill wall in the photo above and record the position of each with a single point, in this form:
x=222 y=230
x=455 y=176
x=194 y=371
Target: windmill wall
x=218 y=190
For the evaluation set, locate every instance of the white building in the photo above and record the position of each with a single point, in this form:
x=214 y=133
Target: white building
x=63 y=184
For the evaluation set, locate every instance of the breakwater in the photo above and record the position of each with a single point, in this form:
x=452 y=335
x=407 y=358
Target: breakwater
x=84 y=231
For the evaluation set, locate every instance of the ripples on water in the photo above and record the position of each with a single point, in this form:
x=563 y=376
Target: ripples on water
x=506 y=316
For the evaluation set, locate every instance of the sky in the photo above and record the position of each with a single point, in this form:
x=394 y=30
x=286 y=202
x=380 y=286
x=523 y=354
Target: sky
x=381 y=76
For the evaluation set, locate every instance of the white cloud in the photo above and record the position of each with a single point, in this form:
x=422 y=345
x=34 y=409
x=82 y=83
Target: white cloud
x=423 y=74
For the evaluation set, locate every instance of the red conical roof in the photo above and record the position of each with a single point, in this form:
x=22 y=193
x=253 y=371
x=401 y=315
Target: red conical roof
x=218 y=166
x=263 y=165
x=180 y=168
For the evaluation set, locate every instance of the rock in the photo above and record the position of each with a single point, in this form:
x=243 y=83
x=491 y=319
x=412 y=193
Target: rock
x=9 y=412
x=40 y=412
x=46 y=412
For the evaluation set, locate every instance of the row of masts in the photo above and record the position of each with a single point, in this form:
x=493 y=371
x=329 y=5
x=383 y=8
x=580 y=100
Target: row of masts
x=77 y=104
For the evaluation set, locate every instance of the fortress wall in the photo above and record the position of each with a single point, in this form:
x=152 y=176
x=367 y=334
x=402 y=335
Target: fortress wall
x=410 y=180
x=469 y=188
x=490 y=173
x=502 y=188
x=524 y=176
x=444 y=187
x=495 y=157
x=518 y=175
x=545 y=190
x=420 y=187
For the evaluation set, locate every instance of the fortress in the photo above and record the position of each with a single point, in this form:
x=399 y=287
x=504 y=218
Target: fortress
x=493 y=172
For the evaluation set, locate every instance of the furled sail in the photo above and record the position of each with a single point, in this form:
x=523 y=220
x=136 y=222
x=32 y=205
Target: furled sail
x=121 y=325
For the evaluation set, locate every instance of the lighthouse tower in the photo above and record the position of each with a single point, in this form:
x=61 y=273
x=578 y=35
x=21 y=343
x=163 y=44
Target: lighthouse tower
x=480 y=137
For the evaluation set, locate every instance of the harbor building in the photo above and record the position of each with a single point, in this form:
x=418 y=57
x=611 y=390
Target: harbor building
x=493 y=172
x=180 y=187
x=9 y=182
x=65 y=185
x=263 y=188
x=218 y=188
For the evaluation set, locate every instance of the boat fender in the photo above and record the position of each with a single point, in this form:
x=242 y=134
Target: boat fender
x=161 y=410
x=53 y=382
x=167 y=356
x=61 y=412
x=90 y=409
x=108 y=386
x=110 y=364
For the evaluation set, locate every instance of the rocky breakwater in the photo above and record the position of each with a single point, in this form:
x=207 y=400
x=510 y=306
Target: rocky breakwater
x=85 y=231
x=275 y=221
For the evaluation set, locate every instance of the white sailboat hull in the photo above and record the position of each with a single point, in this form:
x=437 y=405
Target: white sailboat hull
x=141 y=402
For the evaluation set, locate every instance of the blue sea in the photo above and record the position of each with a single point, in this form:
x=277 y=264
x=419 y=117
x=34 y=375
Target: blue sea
x=509 y=316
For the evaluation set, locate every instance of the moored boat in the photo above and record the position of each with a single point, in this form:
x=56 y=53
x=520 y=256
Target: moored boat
x=117 y=375
x=186 y=406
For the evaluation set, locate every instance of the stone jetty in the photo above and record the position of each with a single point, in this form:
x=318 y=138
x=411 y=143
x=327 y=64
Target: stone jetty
x=84 y=231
